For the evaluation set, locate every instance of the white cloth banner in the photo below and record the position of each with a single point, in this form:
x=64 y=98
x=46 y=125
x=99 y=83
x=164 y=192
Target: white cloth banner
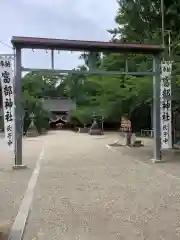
x=165 y=108
x=7 y=86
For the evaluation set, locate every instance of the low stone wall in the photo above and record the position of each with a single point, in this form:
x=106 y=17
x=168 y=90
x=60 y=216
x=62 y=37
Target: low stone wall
x=83 y=130
x=32 y=133
x=96 y=132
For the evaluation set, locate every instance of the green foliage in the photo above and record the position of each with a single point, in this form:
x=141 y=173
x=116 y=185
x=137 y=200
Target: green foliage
x=35 y=87
x=82 y=115
x=42 y=121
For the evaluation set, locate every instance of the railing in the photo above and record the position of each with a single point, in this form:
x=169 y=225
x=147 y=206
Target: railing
x=147 y=133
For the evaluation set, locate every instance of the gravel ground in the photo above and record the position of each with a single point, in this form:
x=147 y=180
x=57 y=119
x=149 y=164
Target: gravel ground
x=171 y=158
x=13 y=183
x=86 y=191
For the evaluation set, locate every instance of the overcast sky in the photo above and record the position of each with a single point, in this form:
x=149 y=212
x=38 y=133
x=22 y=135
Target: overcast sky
x=67 y=19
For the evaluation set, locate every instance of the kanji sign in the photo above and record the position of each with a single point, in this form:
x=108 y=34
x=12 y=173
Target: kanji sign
x=6 y=77
x=166 y=132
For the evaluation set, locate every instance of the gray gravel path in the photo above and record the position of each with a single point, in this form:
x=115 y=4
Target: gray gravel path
x=171 y=158
x=13 y=183
x=86 y=191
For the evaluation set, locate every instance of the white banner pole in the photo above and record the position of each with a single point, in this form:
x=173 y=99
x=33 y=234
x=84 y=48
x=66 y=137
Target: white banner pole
x=7 y=86
x=166 y=118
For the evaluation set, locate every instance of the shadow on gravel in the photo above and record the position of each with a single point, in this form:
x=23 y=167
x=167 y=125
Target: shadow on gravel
x=170 y=157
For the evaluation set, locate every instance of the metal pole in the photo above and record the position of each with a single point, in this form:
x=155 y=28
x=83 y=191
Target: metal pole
x=18 y=111
x=174 y=128
x=94 y=72
x=52 y=59
x=126 y=66
x=162 y=22
x=156 y=109
x=169 y=42
x=102 y=123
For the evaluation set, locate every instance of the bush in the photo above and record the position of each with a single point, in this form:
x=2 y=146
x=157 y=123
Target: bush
x=42 y=123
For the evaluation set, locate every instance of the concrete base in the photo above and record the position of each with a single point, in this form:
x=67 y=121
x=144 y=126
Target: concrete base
x=137 y=143
x=176 y=146
x=96 y=132
x=32 y=134
x=19 y=167
x=157 y=160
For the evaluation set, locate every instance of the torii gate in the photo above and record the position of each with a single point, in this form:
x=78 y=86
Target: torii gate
x=20 y=43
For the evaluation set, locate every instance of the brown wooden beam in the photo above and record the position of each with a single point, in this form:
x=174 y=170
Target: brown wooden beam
x=77 y=45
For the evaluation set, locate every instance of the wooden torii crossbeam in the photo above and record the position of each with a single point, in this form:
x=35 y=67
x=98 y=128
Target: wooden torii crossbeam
x=79 y=45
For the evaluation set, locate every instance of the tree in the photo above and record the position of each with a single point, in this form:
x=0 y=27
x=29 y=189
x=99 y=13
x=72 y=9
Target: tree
x=91 y=60
x=35 y=87
x=139 y=21
x=42 y=84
